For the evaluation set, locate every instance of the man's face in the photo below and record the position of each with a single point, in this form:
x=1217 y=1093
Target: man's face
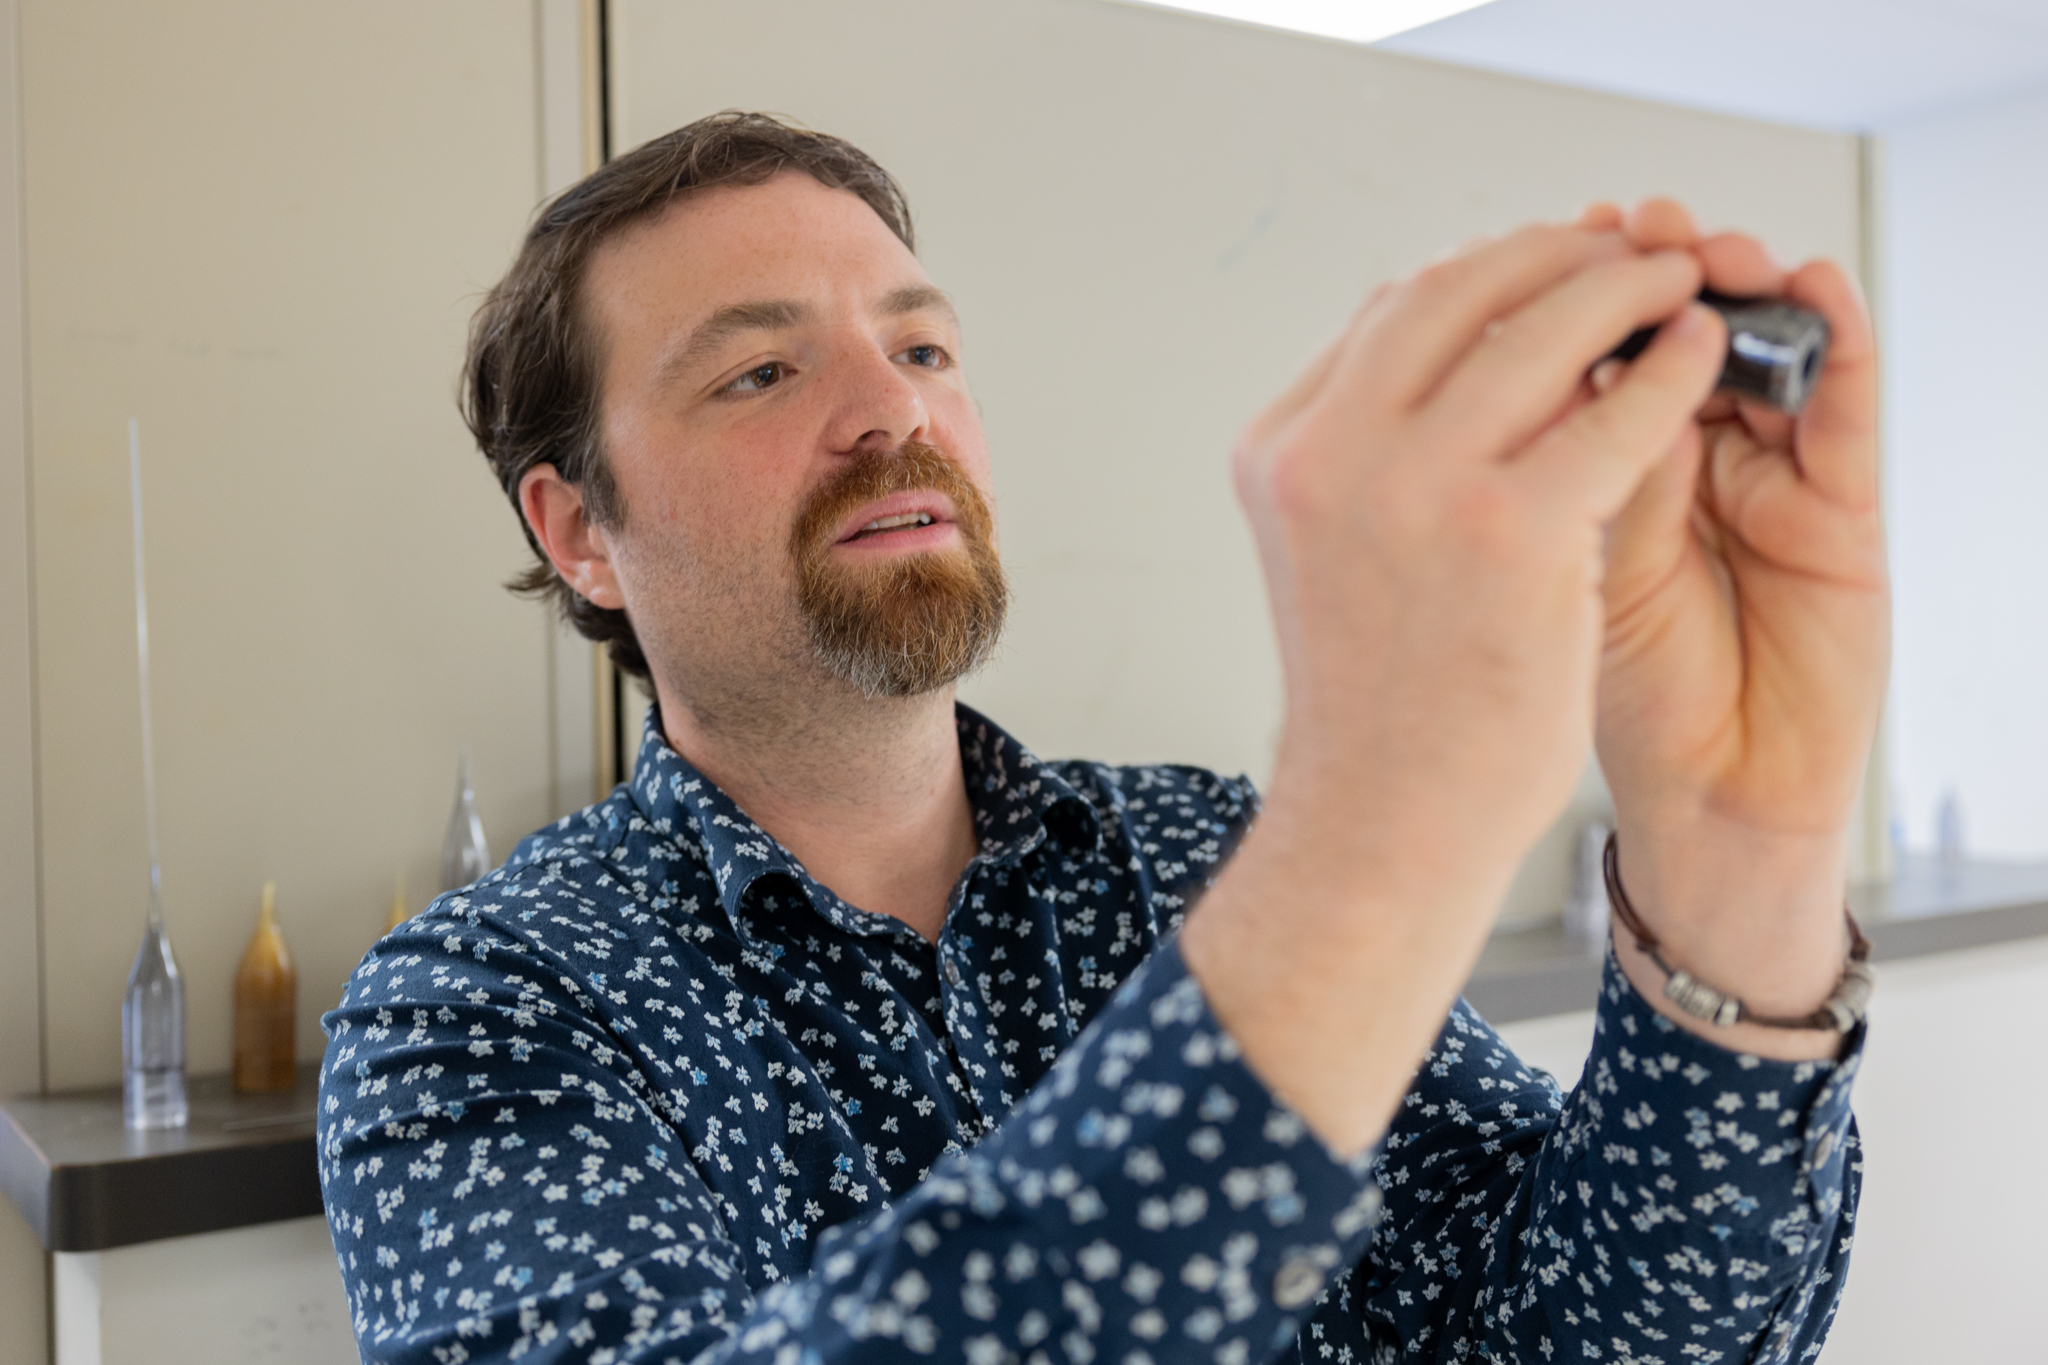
x=803 y=470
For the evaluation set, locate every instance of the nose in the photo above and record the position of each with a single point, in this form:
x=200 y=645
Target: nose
x=876 y=405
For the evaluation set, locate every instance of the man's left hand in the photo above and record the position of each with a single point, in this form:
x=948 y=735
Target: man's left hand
x=1745 y=657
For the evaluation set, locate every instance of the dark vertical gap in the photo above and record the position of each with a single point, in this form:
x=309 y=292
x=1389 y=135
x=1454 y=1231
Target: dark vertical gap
x=604 y=151
x=619 y=725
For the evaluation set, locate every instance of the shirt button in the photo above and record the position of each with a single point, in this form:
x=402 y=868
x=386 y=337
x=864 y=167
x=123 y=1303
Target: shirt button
x=1300 y=1279
x=1824 y=1149
x=952 y=971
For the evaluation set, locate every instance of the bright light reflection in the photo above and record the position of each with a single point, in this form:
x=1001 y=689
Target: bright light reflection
x=1358 y=21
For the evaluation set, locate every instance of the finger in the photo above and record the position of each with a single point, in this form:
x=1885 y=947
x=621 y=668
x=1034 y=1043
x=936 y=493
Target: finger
x=1656 y=224
x=1601 y=216
x=1504 y=389
x=1739 y=265
x=1595 y=459
x=1429 y=320
x=1766 y=425
x=1649 y=535
x=1836 y=435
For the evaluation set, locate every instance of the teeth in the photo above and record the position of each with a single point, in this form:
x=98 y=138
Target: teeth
x=906 y=519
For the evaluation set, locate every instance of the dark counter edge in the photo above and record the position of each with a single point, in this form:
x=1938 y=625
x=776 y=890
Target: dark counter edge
x=1548 y=975
x=99 y=1206
x=117 y=1204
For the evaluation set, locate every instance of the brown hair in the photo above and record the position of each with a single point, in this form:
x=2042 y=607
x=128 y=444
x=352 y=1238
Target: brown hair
x=530 y=381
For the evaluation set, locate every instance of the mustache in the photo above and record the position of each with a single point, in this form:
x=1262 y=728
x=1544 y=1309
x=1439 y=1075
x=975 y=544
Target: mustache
x=911 y=624
x=912 y=467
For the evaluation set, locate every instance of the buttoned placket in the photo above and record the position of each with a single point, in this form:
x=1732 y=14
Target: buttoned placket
x=954 y=987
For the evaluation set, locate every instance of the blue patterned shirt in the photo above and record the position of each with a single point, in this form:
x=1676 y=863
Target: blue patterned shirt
x=650 y=1093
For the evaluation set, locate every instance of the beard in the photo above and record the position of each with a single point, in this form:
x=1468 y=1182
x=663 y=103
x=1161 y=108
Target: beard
x=911 y=624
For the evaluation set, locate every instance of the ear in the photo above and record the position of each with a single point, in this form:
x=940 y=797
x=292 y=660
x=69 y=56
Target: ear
x=580 y=552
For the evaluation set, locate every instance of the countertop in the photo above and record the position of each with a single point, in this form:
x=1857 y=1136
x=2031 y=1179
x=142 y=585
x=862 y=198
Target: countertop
x=1928 y=907
x=85 y=1183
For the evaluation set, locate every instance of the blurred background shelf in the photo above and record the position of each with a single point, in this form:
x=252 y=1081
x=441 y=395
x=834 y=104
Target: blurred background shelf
x=85 y=1182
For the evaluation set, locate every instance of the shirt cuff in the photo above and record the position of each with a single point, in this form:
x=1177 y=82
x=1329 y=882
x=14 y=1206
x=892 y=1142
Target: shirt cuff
x=1692 y=1133
x=1171 y=1197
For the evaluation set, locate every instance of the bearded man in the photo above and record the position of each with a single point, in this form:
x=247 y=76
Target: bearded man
x=850 y=1030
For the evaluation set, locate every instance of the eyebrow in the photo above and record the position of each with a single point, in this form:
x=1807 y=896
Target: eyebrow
x=767 y=315
x=725 y=323
x=919 y=298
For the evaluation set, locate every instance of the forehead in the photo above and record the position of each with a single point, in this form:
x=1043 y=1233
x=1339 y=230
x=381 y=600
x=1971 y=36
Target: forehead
x=789 y=237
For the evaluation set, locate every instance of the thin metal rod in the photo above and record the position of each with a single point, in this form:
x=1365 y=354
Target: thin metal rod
x=142 y=664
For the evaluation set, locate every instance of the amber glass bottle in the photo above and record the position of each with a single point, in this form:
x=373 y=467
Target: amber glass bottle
x=266 y=1006
x=399 y=913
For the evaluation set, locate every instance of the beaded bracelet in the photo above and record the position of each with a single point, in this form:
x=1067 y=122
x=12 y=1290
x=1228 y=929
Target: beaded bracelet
x=1841 y=1012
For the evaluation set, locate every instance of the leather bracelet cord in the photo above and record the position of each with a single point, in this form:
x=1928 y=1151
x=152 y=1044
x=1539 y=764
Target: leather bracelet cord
x=1841 y=1012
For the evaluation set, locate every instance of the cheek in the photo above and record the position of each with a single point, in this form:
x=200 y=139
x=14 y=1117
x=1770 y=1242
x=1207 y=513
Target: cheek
x=959 y=434
x=720 y=540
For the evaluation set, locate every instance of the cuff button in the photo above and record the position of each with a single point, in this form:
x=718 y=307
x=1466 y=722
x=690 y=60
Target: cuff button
x=1300 y=1279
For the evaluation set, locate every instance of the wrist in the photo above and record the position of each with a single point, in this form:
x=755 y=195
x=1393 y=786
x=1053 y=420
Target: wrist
x=1757 y=915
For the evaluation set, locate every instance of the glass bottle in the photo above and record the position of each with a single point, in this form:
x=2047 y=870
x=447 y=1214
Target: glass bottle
x=465 y=855
x=1948 y=830
x=153 y=1028
x=1585 y=899
x=266 y=1007
x=400 y=913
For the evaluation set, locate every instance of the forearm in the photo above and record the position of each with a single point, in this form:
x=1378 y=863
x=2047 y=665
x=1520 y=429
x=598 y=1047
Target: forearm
x=1147 y=1198
x=1333 y=945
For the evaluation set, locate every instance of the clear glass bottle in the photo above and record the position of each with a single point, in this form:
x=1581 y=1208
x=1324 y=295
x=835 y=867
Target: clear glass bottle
x=1948 y=830
x=153 y=1028
x=465 y=854
x=266 y=1007
x=1585 y=900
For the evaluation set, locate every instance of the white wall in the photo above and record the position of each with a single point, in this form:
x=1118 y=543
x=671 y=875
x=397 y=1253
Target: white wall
x=1151 y=220
x=1965 y=289
x=262 y=230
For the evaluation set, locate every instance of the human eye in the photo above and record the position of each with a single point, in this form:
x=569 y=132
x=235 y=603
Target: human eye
x=763 y=376
x=926 y=355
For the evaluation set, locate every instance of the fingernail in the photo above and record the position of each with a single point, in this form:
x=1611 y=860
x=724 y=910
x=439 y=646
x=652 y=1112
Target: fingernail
x=1693 y=319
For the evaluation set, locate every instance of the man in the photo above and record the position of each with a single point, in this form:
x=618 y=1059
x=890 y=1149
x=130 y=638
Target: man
x=851 y=1030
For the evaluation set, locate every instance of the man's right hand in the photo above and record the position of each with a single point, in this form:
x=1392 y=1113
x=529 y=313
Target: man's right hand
x=1429 y=501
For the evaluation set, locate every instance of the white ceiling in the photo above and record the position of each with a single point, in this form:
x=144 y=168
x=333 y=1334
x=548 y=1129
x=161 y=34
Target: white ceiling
x=1847 y=64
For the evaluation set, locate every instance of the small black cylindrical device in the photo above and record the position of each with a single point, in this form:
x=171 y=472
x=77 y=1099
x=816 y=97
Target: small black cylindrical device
x=1775 y=349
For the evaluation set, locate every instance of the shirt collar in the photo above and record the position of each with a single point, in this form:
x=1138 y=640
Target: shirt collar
x=1017 y=800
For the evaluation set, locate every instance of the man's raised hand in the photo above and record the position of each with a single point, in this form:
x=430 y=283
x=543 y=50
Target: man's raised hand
x=1745 y=656
x=1430 y=502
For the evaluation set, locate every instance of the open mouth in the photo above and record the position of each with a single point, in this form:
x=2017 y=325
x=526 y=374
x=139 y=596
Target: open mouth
x=883 y=526
x=916 y=519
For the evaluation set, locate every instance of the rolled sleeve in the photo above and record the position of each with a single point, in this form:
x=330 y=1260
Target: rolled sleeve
x=1684 y=1203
